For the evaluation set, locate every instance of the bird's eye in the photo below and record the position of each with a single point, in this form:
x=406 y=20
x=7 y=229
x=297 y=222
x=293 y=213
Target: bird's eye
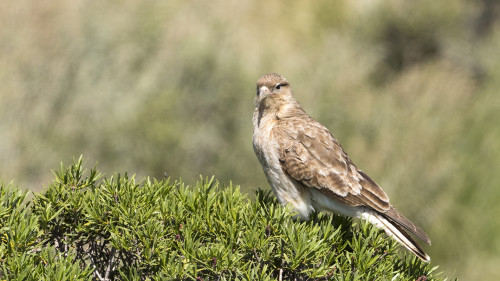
x=278 y=86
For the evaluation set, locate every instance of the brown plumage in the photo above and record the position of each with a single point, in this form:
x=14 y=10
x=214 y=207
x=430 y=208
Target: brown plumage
x=308 y=169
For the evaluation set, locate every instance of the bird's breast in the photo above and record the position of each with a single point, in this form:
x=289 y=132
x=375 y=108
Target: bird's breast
x=287 y=191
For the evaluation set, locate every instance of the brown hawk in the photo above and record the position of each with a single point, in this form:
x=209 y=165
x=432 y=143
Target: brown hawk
x=308 y=169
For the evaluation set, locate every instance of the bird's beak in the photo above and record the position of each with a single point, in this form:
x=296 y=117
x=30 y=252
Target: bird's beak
x=263 y=92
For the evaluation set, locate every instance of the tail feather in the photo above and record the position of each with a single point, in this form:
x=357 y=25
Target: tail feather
x=400 y=220
x=396 y=231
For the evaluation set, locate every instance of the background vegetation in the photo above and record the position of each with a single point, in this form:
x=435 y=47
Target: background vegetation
x=410 y=88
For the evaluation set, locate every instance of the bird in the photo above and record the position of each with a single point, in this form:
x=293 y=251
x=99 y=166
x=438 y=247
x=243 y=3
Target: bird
x=308 y=169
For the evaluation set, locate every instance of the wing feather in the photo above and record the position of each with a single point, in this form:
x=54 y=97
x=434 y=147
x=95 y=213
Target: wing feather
x=312 y=156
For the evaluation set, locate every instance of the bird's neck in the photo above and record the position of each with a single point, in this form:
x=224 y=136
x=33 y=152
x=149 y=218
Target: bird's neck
x=277 y=109
x=289 y=109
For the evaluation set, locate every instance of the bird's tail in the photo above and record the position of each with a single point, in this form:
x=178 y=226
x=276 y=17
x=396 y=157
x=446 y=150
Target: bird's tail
x=394 y=229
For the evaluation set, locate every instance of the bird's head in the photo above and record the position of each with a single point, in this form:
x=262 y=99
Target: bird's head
x=272 y=91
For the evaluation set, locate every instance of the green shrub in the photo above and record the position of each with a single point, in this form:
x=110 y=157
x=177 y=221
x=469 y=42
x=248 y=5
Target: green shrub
x=84 y=227
x=25 y=252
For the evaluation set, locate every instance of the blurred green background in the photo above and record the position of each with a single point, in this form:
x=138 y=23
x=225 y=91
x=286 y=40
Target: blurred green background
x=410 y=88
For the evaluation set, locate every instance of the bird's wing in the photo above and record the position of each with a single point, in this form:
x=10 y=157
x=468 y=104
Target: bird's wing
x=311 y=155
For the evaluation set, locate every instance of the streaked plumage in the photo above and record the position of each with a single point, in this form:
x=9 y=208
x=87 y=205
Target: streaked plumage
x=308 y=169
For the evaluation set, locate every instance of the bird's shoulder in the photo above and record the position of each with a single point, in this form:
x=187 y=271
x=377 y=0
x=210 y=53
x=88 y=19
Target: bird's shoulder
x=304 y=132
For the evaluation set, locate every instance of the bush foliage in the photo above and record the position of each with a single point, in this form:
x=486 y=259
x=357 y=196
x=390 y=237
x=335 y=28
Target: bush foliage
x=88 y=227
